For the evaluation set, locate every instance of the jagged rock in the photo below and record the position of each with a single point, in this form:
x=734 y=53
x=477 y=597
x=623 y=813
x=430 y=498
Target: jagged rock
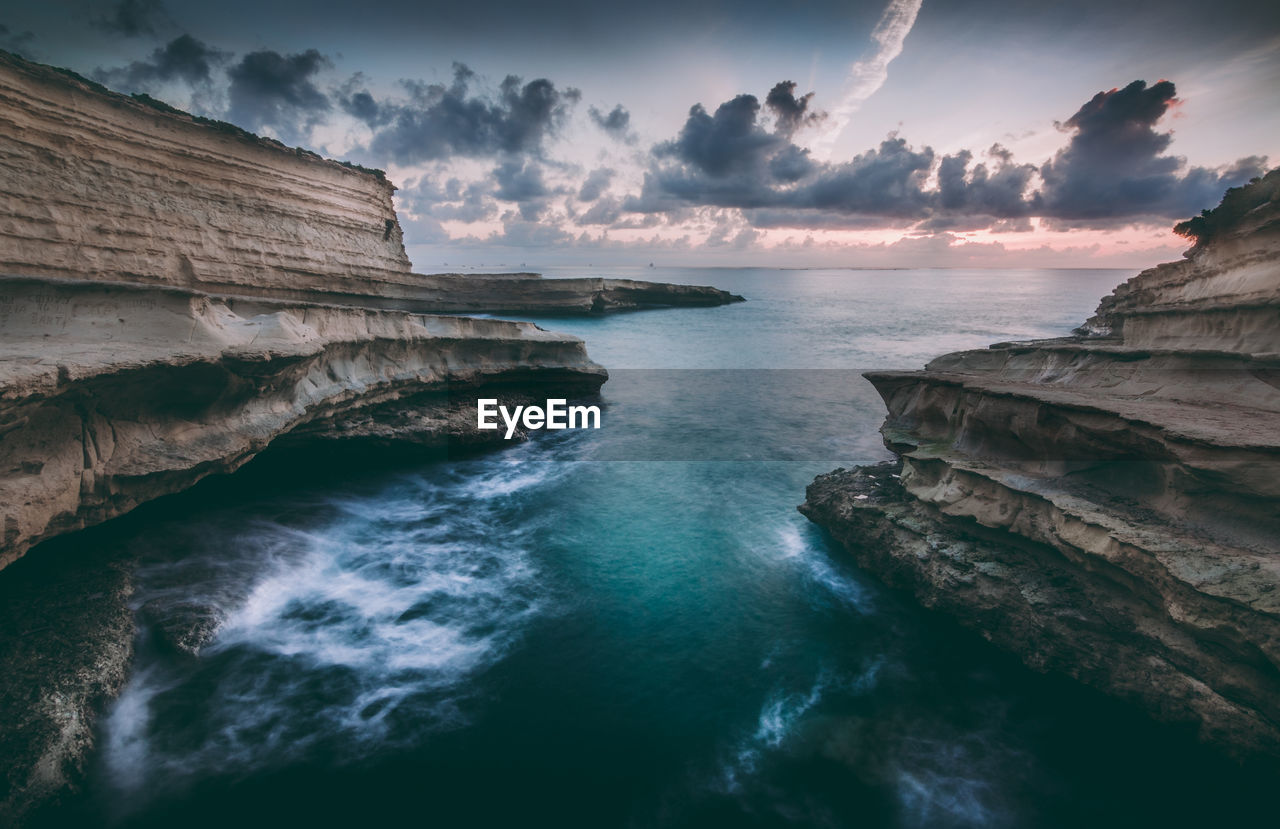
x=179 y=625
x=1106 y=505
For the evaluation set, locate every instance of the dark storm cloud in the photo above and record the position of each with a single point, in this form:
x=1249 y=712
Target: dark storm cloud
x=440 y=121
x=184 y=58
x=278 y=91
x=1114 y=168
x=359 y=103
x=519 y=181
x=729 y=143
x=616 y=122
x=132 y=18
x=791 y=112
x=886 y=181
x=731 y=160
x=455 y=201
x=997 y=190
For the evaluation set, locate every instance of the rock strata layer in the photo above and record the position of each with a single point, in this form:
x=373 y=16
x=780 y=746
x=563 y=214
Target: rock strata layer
x=1105 y=505
x=100 y=186
x=176 y=296
x=113 y=395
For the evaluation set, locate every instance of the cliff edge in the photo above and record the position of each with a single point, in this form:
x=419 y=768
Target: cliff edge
x=177 y=296
x=1106 y=505
x=100 y=186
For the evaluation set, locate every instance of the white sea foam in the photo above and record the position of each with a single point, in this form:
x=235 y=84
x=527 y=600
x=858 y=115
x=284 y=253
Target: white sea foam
x=778 y=717
x=815 y=562
x=365 y=629
x=943 y=782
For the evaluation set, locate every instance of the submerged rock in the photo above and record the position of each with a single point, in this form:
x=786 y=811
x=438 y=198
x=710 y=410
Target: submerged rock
x=1106 y=505
x=181 y=626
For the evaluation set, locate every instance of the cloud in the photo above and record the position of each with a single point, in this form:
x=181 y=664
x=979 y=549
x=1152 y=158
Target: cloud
x=521 y=181
x=1114 y=168
x=730 y=160
x=792 y=113
x=182 y=59
x=729 y=143
x=439 y=121
x=995 y=190
x=359 y=103
x=133 y=18
x=869 y=74
x=616 y=122
x=456 y=201
x=596 y=182
x=273 y=91
x=523 y=233
x=16 y=42
x=603 y=211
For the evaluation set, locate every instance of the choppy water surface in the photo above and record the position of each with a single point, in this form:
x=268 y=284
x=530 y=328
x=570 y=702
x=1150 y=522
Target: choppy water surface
x=630 y=627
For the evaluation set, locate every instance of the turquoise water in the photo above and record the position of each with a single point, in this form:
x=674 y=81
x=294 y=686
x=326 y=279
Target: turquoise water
x=629 y=627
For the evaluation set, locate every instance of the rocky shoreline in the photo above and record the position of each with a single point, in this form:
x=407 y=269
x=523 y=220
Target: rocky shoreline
x=176 y=297
x=189 y=385
x=1106 y=505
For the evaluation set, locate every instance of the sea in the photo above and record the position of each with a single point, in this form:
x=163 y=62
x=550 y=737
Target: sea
x=623 y=627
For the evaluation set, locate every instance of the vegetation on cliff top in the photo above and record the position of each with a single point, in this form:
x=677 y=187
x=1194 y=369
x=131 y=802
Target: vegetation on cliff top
x=1236 y=204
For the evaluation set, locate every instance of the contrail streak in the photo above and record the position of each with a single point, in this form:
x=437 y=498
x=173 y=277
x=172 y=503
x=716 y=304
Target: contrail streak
x=869 y=74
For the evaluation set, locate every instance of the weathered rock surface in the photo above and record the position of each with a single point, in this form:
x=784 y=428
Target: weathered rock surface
x=177 y=295
x=66 y=639
x=113 y=395
x=100 y=186
x=530 y=294
x=1105 y=505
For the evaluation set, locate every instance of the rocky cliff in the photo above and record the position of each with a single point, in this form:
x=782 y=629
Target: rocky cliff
x=115 y=395
x=177 y=296
x=95 y=185
x=100 y=186
x=112 y=395
x=1106 y=505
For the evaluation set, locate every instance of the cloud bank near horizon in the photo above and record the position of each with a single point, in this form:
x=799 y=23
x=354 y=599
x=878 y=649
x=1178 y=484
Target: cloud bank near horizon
x=481 y=162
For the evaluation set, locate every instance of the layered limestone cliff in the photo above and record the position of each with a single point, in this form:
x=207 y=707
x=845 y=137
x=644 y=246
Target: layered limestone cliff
x=112 y=395
x=1106 y=505
x=115 y=395
x=176 y=296
x=100 y=186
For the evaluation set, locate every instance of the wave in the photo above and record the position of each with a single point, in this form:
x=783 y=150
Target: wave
x=814 y=559
x=341 y=636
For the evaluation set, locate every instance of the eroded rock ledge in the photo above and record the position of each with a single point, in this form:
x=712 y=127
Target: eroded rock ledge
x=111 y=396
x=115 y=395
x=1105 y=505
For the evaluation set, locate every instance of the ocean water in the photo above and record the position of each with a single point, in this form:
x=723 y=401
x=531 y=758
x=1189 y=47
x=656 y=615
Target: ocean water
x=627 y=627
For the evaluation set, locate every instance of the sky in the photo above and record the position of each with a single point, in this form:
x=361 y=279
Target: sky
x=893 y=133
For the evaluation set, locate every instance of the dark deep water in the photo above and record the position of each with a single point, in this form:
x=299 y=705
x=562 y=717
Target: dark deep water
x=630 y=627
